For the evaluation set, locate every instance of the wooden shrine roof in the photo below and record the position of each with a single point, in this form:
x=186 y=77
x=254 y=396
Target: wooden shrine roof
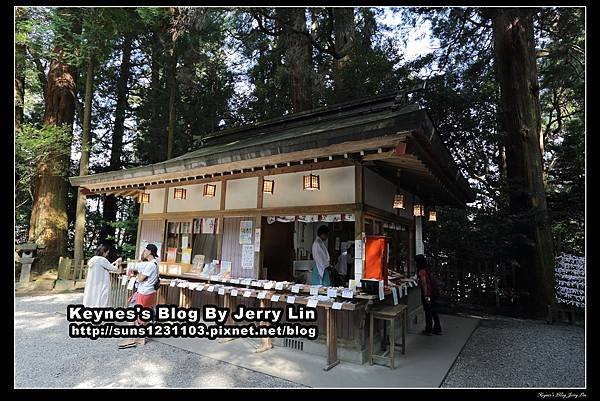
x=400 y=141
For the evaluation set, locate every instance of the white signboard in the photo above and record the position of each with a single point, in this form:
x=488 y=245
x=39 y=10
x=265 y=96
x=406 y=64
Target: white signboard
x=247 y=257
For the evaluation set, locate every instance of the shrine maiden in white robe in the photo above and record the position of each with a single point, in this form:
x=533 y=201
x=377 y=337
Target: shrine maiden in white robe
x=97 y=283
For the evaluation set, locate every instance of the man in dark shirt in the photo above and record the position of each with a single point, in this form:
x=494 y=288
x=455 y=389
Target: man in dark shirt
x=428 y=297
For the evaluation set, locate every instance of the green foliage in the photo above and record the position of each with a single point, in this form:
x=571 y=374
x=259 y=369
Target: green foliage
x=229 y=72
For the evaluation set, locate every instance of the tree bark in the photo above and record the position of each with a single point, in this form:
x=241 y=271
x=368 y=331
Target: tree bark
x=110 y=206
x=298 y=51
x=48 y=223
x=84 y=163
x=156 y=119
x=20 y=54
x=519 y=95
x=345 y=32
x=172 y=83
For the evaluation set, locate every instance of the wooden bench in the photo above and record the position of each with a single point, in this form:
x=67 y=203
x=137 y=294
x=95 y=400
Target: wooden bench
x=387 y=313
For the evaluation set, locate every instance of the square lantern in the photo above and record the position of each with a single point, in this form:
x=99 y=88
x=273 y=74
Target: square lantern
x=180 y=193
x=311 y=183
x=210 y=190
x=398 y=201
x=418 y=210
x=268 y=186
x=144 y=197
x=432 y=215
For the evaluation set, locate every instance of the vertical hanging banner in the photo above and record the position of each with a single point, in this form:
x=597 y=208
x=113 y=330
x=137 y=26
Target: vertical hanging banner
x=245 y=232
x=257 y=240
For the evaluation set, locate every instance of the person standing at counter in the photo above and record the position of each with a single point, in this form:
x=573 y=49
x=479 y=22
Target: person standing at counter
x=147 y=285
x=97 y=284
x=428 y=297
x=320 y=254
x=344 y=261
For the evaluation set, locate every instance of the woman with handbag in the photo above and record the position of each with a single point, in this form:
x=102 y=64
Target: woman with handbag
x=97 y=284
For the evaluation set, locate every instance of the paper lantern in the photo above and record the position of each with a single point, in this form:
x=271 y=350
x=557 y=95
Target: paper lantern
x=210 y=190
x=432 y=215
x=144 y=197
x=418 y=210
x=311 y=182
x=180 y=193
x=398 y=201
x=268 y=186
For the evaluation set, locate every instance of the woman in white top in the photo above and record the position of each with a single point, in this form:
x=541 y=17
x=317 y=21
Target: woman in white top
x=97 y=283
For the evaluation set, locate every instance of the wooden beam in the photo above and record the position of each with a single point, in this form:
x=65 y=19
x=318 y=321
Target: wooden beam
x=270 y=211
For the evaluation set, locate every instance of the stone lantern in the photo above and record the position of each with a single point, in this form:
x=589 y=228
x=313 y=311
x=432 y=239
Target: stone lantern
x=27 y=252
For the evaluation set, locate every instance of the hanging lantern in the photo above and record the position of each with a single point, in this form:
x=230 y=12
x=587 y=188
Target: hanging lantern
x=418 y=210
x=180 y=193
x=311 y=182
x=144 y=197
x=268 y=186
x=432 y=215
x=398 y=201
x=210 y=190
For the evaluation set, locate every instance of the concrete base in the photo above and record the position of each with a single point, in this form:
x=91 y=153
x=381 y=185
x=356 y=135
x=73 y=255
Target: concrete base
x=425 y=364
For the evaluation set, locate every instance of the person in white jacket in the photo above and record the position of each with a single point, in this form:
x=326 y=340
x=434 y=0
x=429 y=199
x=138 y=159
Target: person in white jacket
x=97 y=283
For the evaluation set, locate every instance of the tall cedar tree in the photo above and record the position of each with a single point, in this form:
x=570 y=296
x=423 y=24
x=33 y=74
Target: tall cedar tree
x=48 y=223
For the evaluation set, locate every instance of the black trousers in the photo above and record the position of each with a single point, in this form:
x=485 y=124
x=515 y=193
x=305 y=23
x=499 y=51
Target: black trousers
x=432 y=320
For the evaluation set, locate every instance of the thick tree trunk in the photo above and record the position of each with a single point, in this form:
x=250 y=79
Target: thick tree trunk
x=156 y=120
x=84 y=163
x=519 y=94
x=345 y=32
x=110 y=206
x=172 y=83
x=298 y=51
x=48 y=224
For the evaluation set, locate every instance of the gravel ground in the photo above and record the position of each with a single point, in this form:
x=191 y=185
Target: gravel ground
x=504 y=352
x=45 y=356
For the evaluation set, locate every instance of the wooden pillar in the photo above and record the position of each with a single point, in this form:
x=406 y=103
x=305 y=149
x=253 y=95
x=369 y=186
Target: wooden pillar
x=265 y=343
x=359 y=222
x=221 y=223
x=332 y=358
x=139 y=232
x=165 y=226
x=258 y=255
x=411 y=248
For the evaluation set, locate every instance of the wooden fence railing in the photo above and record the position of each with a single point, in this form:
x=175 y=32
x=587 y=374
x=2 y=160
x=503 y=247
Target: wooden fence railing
x=485 y=283
x=68 y=271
